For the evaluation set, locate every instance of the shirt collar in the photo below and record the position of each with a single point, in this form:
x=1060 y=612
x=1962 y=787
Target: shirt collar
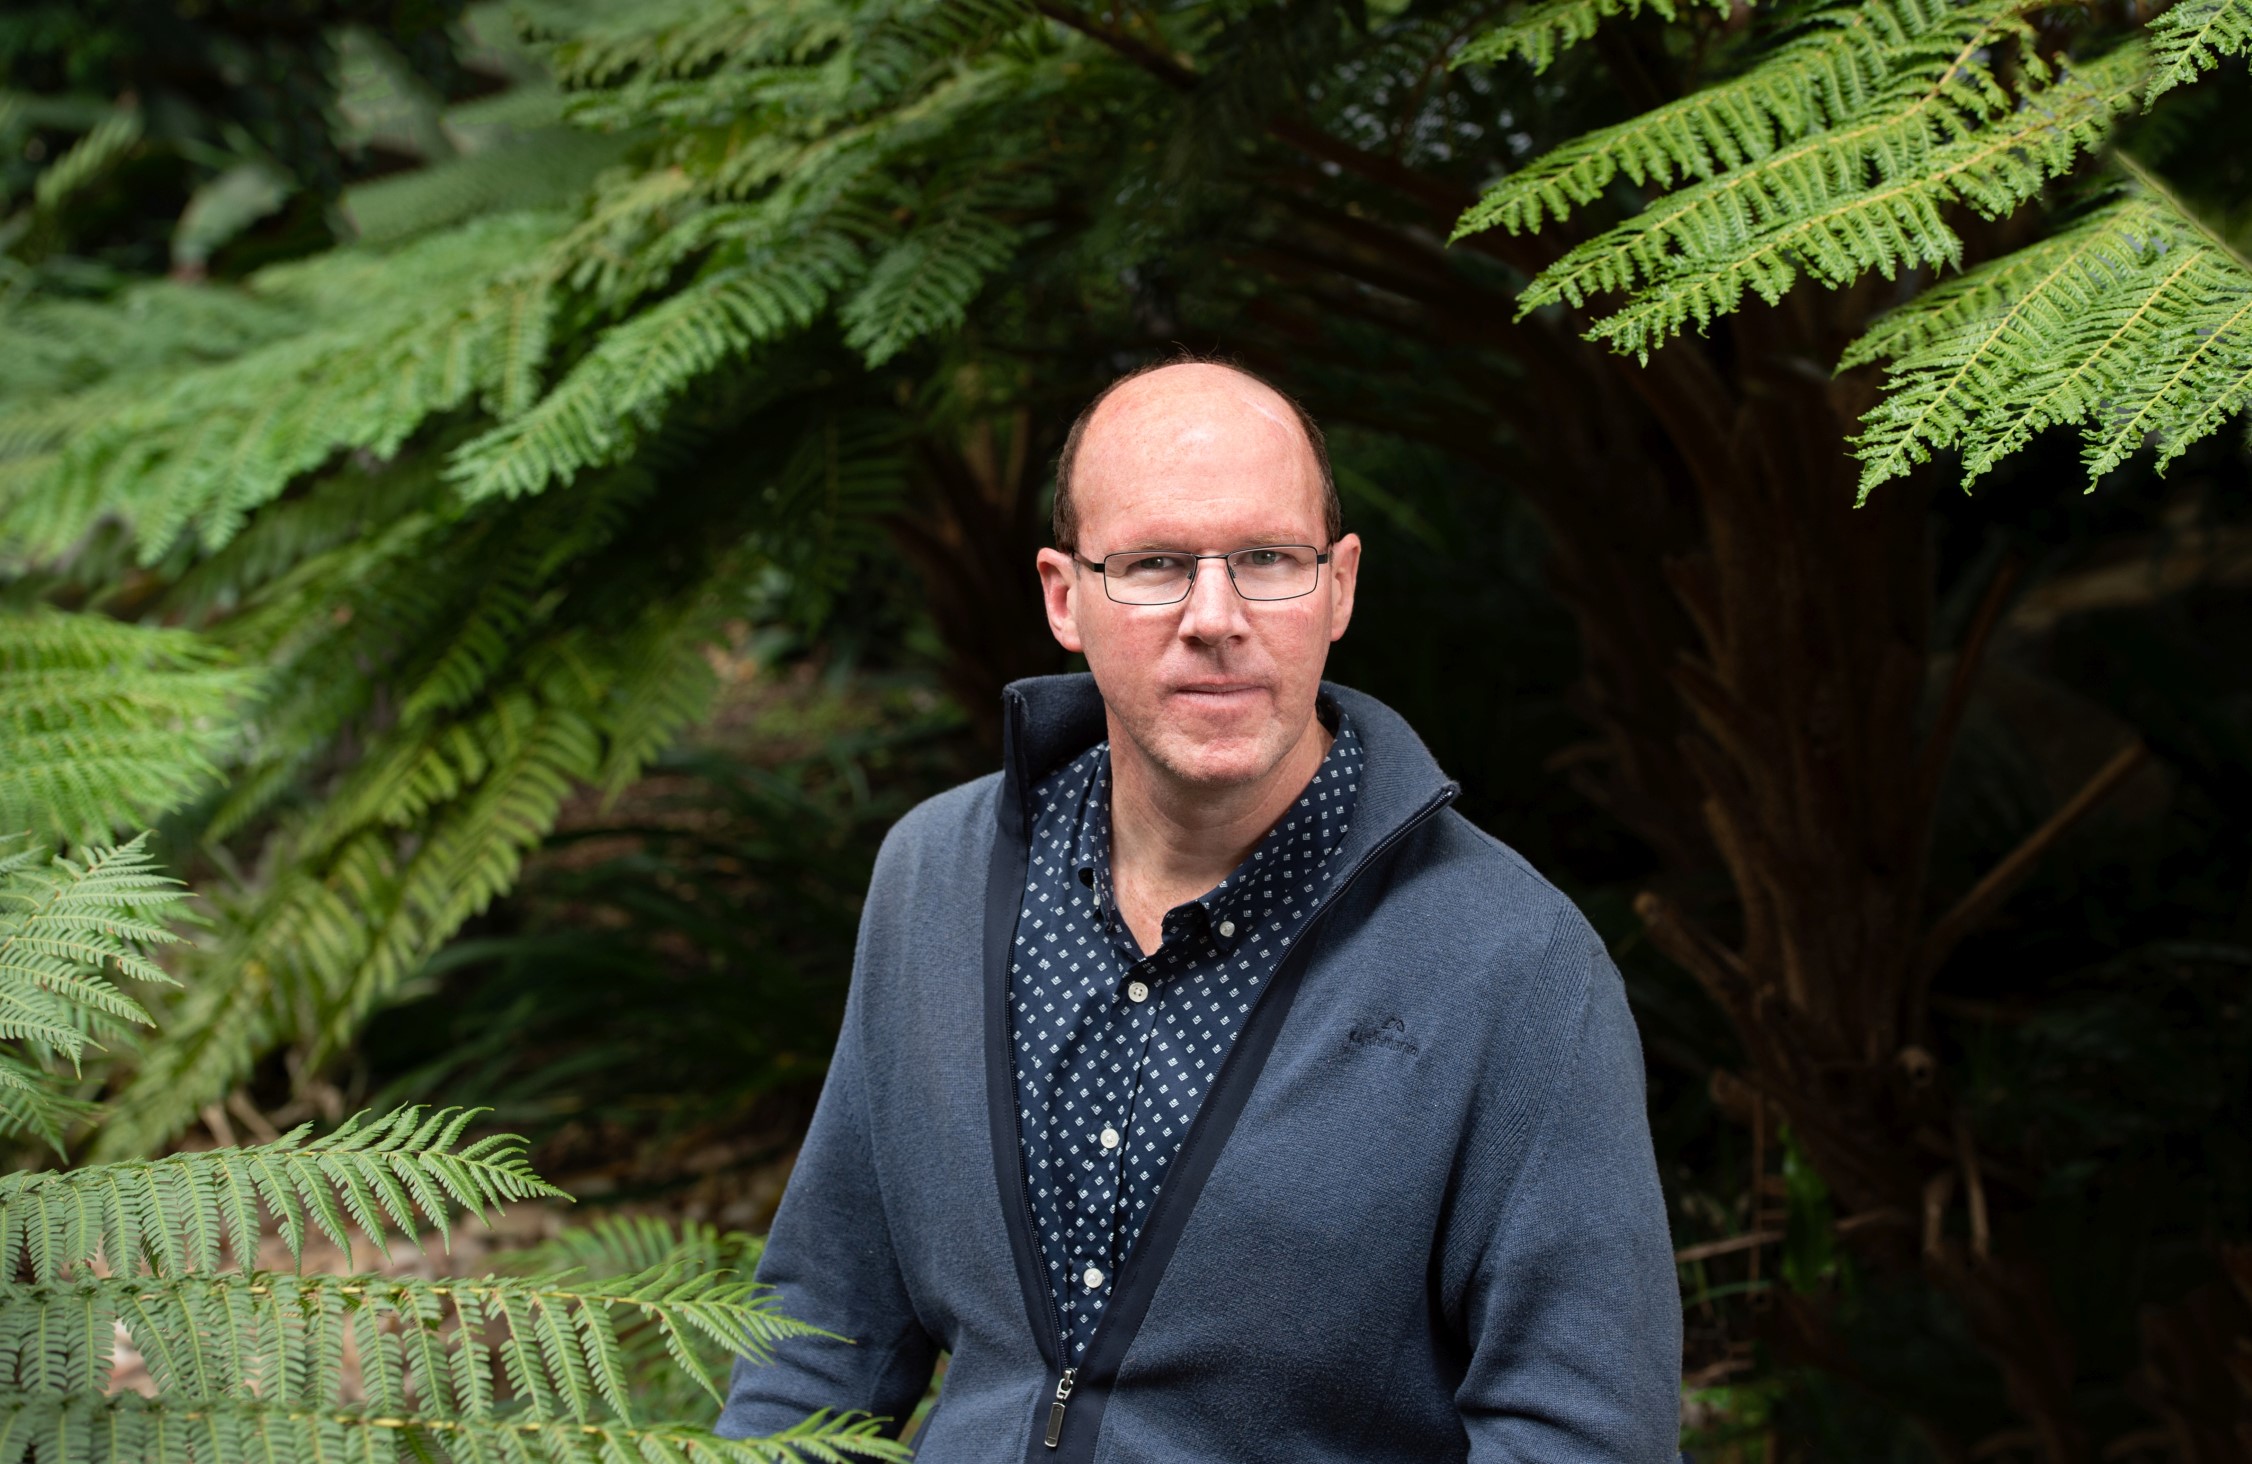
x=1227 y=918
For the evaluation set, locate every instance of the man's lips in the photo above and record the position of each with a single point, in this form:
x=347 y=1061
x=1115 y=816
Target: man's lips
x=1217 y=688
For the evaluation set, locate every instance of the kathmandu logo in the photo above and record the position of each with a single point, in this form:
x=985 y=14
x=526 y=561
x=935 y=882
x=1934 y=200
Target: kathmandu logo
x=1391 y=1032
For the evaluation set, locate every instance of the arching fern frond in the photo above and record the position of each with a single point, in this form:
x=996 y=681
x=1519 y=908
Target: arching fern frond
x=623 y=1245
x=2135 y=325
x=65 y=927
x=400 y=1172
x=2192 y=37
x=1545 y=29
x=923 y=283
x=1832 y=69
x=130 y=1429
x=90 y=157
x=513 y=698
x=391 y=340
x=434 y=1347
x=104 y=724
x=674 y=1371
x=597 y=414
x=1841 y=203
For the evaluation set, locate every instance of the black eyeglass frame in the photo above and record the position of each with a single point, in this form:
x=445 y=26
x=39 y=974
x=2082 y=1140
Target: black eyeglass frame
x=1188 y=586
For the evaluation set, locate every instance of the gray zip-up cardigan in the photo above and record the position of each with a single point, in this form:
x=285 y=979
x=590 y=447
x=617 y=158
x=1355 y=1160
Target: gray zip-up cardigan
x=1416 y=1220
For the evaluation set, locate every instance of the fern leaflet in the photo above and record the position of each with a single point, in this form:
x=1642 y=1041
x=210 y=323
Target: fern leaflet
x=2192 y=36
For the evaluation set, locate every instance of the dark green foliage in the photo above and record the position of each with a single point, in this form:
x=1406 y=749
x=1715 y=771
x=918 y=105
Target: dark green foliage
x=1837 y=151
x=729 y=885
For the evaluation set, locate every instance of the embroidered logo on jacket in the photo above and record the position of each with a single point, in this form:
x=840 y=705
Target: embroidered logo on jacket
x=1390 y=1032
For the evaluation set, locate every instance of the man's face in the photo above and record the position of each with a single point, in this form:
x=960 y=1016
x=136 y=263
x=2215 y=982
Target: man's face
x=1216 y=689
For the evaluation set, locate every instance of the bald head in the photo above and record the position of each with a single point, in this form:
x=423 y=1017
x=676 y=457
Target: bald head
x=1152 y=418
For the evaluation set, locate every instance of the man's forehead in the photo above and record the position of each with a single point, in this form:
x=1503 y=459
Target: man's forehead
x=1196 y=399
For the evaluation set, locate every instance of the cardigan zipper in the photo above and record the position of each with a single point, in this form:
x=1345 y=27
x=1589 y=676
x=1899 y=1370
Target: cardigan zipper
x=1068 y=1381
x=1064 y=1386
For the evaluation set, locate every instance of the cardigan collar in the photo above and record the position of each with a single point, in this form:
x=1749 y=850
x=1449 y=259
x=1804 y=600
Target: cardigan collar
x=1048 y=720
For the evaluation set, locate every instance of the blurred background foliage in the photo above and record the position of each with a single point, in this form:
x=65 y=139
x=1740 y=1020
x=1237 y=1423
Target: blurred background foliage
x=525 y=495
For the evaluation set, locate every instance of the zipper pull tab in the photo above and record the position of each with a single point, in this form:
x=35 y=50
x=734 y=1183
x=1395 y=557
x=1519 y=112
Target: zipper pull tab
x=1064 y=1386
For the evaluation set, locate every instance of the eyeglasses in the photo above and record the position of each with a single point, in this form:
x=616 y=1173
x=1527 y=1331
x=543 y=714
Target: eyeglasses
x=1165 y=576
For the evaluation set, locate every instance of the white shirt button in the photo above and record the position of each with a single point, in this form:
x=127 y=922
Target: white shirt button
x=1093 y=1278
x=1110 y=1138
x=1227 y=927
x=1137 y=991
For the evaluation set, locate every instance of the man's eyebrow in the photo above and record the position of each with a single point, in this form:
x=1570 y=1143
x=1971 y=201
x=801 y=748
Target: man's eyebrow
x=1256 y=541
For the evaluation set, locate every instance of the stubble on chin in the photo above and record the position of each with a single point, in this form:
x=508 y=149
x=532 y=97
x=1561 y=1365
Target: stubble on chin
x=1212 y=765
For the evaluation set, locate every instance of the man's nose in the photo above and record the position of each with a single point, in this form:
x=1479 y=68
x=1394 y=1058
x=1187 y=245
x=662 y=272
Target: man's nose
x=1213 y=611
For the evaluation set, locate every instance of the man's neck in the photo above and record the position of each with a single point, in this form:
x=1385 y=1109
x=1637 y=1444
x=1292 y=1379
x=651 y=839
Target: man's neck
x=1171 y=840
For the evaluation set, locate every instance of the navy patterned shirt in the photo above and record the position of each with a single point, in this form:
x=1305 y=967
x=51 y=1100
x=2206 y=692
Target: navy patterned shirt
x=1114 y=1049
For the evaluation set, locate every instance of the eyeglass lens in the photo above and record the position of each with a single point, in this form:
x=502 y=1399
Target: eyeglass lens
x=1159 y=576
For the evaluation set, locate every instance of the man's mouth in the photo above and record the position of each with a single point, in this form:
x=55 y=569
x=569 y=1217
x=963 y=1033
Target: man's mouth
x=1219 y=690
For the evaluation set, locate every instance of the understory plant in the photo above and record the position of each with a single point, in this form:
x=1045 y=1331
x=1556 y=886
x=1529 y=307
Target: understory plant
x=248 y=1361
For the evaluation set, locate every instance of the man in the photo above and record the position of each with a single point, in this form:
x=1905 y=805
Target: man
x=1208 y=1088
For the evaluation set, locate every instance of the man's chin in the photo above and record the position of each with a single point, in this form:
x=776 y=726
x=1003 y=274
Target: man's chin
x=1217 y=762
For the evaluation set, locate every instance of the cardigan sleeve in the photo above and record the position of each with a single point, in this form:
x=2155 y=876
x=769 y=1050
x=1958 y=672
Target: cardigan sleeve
x=1567 y=1291
x=831 y=1261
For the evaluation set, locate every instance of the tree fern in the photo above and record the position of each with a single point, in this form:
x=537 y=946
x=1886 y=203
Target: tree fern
x=421 y=1345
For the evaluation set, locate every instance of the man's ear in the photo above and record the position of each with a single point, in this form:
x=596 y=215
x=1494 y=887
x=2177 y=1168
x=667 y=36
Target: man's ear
x=1344 y=579
x=1059 y=594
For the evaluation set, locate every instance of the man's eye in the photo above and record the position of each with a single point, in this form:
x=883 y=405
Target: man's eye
x=1262 y=558
x=1153 y=564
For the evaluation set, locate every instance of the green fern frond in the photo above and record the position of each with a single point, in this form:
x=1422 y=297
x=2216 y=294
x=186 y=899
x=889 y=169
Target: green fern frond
x=63 y=345
x=545 y=168
x=625 y=1245
x=674 y=1370
x=129 y=1429
x=178 y=1214
x=663 y=691
x=31 y=1105
x=844 y=473
x=923 y=284
x=2135 y=324
x=274 y=951
x=104 y=724
x=597 y=414
x=88 y=159
x=2192 y=37
x=1810 y=208
x=1553 y=26
x=1821 y=77
x=65 y=927
x=423 y=1345
x=395 y=339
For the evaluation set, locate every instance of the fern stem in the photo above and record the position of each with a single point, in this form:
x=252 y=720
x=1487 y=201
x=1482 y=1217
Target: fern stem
x=2158 y=189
